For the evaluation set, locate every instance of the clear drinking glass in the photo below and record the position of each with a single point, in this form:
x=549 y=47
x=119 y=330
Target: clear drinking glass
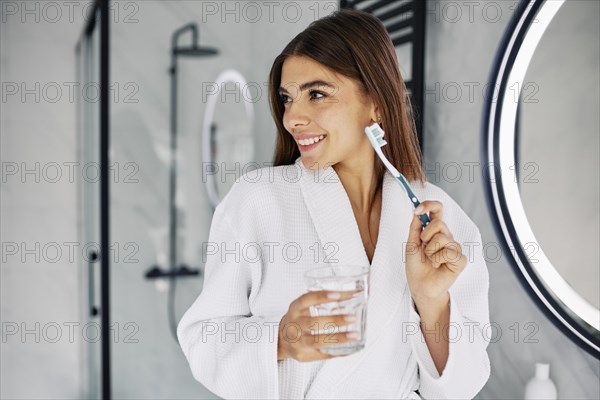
x=342 y=278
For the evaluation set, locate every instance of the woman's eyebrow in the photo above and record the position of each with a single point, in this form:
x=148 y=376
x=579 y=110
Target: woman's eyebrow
x=308 y=85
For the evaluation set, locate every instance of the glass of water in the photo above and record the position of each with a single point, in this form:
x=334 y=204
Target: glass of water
x=342 y=278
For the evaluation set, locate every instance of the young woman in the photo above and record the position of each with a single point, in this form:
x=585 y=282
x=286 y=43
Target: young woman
x=329 y=200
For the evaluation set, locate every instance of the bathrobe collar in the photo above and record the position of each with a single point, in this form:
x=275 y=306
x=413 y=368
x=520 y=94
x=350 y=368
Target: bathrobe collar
x=331 y=213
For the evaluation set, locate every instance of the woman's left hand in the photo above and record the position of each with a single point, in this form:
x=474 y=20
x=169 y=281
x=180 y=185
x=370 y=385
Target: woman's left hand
x=433 y=259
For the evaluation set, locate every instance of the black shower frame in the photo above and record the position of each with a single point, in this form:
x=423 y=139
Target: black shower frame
x=101 y=8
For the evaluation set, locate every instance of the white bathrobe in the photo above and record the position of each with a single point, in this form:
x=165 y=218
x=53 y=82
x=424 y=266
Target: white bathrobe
x=276 y=223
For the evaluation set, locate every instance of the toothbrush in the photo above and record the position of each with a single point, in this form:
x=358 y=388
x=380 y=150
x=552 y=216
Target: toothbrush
x=375 y=135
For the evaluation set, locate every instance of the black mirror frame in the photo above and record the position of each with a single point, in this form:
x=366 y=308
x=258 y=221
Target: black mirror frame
x=583 y=331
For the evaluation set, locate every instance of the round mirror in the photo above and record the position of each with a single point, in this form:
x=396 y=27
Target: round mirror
x=541 y=146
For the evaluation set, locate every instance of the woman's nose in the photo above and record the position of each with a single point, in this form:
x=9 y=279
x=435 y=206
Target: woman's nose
x=295 y=115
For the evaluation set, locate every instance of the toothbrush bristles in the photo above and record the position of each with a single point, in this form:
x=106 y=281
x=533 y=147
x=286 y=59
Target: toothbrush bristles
x=378 y=135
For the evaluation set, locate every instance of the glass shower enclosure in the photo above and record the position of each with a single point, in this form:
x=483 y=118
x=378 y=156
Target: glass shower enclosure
x=147 y=205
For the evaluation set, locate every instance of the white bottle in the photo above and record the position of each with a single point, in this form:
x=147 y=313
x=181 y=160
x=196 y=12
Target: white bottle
x=541 y=386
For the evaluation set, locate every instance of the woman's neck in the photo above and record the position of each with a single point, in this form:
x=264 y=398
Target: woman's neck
x=359 y=182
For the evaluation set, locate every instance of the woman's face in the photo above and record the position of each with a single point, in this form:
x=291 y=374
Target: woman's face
x=326 y=115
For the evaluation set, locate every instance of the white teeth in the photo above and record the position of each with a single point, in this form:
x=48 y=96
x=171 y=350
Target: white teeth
x=306 y=142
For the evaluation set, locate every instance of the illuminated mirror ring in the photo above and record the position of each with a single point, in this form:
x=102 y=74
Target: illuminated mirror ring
x=210 y=180
x=568 y=310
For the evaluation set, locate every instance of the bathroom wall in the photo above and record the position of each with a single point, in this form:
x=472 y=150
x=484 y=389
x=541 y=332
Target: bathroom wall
x=39 y=286
x=459 y=51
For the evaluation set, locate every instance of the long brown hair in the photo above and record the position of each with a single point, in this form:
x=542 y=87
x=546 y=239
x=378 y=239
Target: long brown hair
x=355 y=44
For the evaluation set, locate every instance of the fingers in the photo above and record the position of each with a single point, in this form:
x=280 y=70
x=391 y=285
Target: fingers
x=443 y=249
x=433 y=207
x=439 y=242
x=434 y=227
x=440 y=246
x=414 y=231
x=310 y=325
x=452 y=257
x=309 y=346
x=305 y=336
x=301 y=306
x=322 y=340
x=319 y=332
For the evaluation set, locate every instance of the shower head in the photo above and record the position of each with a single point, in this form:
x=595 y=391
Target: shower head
x=195 y=51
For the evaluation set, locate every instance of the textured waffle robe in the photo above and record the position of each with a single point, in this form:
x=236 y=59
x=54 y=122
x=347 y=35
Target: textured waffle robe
x=276 y=223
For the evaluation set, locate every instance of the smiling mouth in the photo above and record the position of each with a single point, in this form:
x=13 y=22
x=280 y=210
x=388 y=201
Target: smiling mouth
x=308 y=142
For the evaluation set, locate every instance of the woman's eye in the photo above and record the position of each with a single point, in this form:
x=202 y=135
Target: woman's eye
x=284 y=98
x=313 y=93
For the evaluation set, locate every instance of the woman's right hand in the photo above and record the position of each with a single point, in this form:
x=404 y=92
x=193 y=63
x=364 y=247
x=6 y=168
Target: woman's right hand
x=295 y=338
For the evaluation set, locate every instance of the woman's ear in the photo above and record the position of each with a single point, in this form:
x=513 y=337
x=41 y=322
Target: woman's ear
x=375 y=115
